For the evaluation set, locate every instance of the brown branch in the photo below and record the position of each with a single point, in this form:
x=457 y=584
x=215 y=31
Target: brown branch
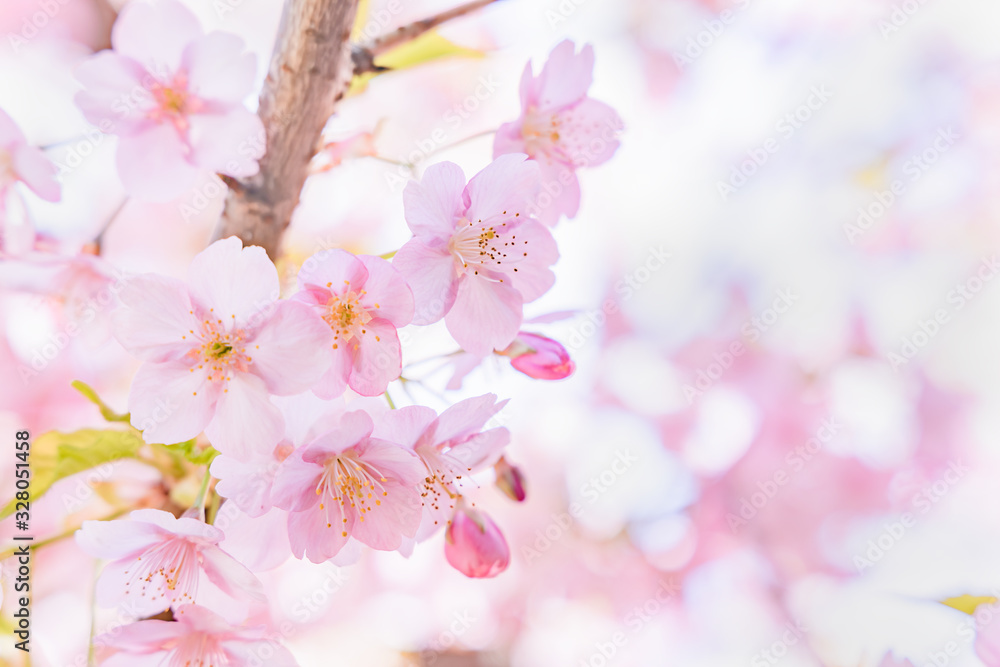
x=310 y=71
x=364 y=54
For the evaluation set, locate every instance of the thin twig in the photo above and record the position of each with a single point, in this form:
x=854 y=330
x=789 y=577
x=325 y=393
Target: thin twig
x=364 y=55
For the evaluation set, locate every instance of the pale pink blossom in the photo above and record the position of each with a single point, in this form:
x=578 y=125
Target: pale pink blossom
x=364 y=300
x=346 y=484
x=476 y=256
x=174 y=96
x=561 y=128
x=159 y=561
x=474 y=544
x=216 y=348
x=539 y=357
x=988 y=644
x=21 y=163
x=197 y=637
x=452 y=447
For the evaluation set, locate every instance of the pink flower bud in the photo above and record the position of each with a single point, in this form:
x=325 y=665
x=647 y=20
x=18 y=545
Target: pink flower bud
x=474 y=545
x=510 y=480
x=539 y=357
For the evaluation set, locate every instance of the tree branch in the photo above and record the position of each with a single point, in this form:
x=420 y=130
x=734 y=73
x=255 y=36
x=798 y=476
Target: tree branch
x=309 y=73
x=364 y=55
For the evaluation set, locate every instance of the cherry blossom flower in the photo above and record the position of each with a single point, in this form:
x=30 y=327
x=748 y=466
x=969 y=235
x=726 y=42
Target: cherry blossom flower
x=22 y=163
x=452 y=447
x=364 y=300
x=561 y=128
x=346 y=484
x=474 y=545
x=476 y=256
x=174 y=96
x=216 y=348
x=197 y=637
x=539 y=357
x=161 y=562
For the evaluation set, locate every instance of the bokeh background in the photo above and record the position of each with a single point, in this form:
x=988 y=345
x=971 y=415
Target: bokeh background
x=780 y=443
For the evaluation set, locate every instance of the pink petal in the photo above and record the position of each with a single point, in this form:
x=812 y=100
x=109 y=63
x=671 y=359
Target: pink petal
x=588 y=132
x=249 y=653
x=245 y=419
x=183 y=527
x=333 y=384
x=565 y=77
x=153 y=165
x=170 y=402
x=245 y=483
x=432 y=276
x=232 y=577
x=37 y=172
x=240 y=284
x=505 y=188
x=389 y=296
x=317 y=534
x=334 y=269
x=526 y=88
x=154 y=318
x=142 y=636
x=155 y=34
x=353 y=428
x=482 y=449
x=377 y=358
x=113 y=96
x=260 y=543
x=295 y=484
x=560 y=194
x=486 y=315
x=533 y=277
x=229 y=143
x=115 y=587
x=291 y=350
x=219 y=68
x=509 y=139
x=432 y=205
x=10 y=133
x=405 y=425
x=467 y=417
x=122 y=538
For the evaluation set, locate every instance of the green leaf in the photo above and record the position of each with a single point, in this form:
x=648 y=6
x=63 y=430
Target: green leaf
x=106 y=412
x=55 y=456
x=187 y=449
x=427 y=47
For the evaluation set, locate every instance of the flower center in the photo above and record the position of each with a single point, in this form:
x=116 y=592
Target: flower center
x=224 y=352
x=356 y=484
x=346 y=316
x=540 y=133
x=199 y=650
x=174 y=102
x=483 y=247
x=168 y=570
x=443 y=472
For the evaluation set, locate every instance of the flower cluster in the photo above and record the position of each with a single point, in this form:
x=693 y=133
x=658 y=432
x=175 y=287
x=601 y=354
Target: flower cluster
x=286 y=389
